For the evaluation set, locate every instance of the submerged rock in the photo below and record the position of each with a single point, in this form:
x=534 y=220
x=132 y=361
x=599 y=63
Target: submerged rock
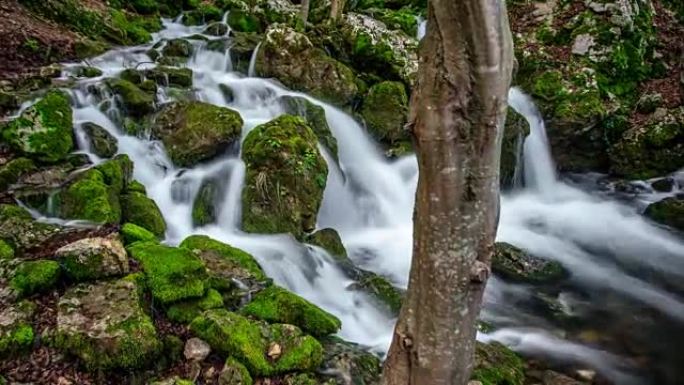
x=275 y=304
x=104 y=325
x=669 y=212
x=102 y=143
x=193 y=132
x=514 y=264
x=286 y=177
x=44 y=130
x=93 y=258
x=290 y=57
x=250 y=342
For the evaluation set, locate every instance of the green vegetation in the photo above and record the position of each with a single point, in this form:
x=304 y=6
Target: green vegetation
x=35 y=276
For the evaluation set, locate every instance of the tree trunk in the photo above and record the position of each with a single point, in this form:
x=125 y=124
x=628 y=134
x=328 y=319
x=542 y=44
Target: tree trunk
x=336 y=8
x=304 y=11
x=458 y=108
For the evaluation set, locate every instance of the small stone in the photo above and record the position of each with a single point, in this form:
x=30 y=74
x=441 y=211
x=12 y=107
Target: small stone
x=663 y=185
x=196 y=350
x=583 y=42
x=586 y=374
x=274 y=351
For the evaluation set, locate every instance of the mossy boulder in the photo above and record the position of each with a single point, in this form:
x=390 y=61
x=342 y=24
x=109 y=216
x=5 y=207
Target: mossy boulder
x=186 y=311
x=104 y=325
x=16 y=332
x=346 y=361
x=138 y=209
x=234 y=373
x=172 y=274
x=11 y=171
x=202 y=13
x=385 y=111
x=195 y=131
x=137 y=102
x=170 y=76
x=264 y=349
x=177 y=48
x=225 y=264
x=495 y=364
x=290 y=57
x=33 y=277
x=19 y=231
x=404 y=19
x=277 y=305
x=93 y=258
x=380 y=289
x=653 y=149
x=285 y=177
x=44 y=130
x=205 y=208
x=512 y=263
x=669 y=212
x=315 y=116
x=242 y=45
x=244 y=21
x=216 y=29
x=515 y=132
x=133 y=233
x=329 y=240
x=102 y=143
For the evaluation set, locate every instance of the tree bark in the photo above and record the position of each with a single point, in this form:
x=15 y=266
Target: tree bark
x=336 y=8
x=304 y=10
x=458 y=108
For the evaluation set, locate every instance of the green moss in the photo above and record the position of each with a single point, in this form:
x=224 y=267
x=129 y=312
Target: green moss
x=12 y=170
x=315 y=116
x=234 y=373
x=243 y=21
x=133 y=233
x=140 y=210
x=495 y=364
x=403 y=19
x=169 y=76
x=248 y=341
x=514 y=264
x=135 y=186
x=549 y=85
x=329 y=240
x=381 y=289
x=17 y=339
x=275 y=304
x=6 y=250
x=286 y=176
x=186 y=311
x=136 y=101
x=195 y=131
x=238 y=263
x=203 y=14
x=173 y=274
x=44 y=130
x=35 y=276
x=385 y=111
x=89 y=198
x=204 y=210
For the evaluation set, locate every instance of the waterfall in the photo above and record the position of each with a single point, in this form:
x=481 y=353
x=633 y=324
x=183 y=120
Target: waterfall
x=252 y=61
x=611 y=252
x=422 y=25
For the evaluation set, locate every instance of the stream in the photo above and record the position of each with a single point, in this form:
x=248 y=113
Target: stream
x=620 y=313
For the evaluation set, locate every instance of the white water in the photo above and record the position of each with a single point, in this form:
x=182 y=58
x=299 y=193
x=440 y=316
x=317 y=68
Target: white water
x=369 y=200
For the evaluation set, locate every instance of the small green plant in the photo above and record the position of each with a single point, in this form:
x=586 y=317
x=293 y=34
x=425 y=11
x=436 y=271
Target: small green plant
x=32 y=45
x=274 y=143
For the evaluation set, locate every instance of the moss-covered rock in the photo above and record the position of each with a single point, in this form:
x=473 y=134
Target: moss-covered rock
x=88 y=72
x=495 y=364
x=186 y=311
x=286 y=176
x=515 y=132
x=195 y=131
x=35 y=276
x=138 y=209
x=290 y=57
x=652 y=149
x=177 y=48
x=16 y=332
x=173 y=274
x=137 y=102
x=205 y=208
x=244 y=21
x=385 y=111
x=224 y=263
x=102 y=143
x=203 y=13
x=404 y=19
x=170 y=76
x=329 y=240
x=105 y=326
x=277 y=305
x=216 y=29
x=669 y=212
x=6 y=251
x=44 y=130
x=93 y=258
x=348 y=362
x=509 y=262
x=379 y=288
x=242 y=45
x=11 y=171
x=133 y=233
x=315 y=116
x=234 y=373
x=264 y=349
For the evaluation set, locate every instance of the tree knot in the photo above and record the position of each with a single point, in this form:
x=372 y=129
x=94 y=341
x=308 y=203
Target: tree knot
x=479 y=272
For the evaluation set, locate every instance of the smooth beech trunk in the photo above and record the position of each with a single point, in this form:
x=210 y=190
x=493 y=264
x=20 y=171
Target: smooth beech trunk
x=458 y=108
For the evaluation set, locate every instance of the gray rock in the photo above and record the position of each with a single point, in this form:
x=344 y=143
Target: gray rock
x=196 y=349
x=93 y=258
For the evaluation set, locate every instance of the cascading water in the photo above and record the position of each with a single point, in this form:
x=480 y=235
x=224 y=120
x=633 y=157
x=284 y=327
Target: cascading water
x=619 y=263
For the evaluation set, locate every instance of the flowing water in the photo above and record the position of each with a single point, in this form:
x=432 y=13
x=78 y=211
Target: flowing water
x=620 y=311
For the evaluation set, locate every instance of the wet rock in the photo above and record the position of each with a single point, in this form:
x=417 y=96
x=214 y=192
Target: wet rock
x=102 y=143
x=93 y=258
x=329 y=240
x=16 y=332
x=290 y=57
x=554 y=378
x=133 y=233
x=496 y=364
x=205 y=208
x=36 y=276
x=234 y=373
x=379 y=288
x=104 y=325
x=11 y=171
x=169 y=76
x=177 y=48
x=172 y=274
x=216 y=29
x=669 y=212
x=514 y=264
x=346 y=362
x=663 y=185
x=88 y=72
x=231 y=334
x=196 y=350
x=44 y=130
x=314 y=115
x=385 y=112
x=285 y=177
x=242 y=46
x=136 y=101
x=193 y=132
x=138 y=209
x=275 y=304
x=186 y=311
x=515 y=131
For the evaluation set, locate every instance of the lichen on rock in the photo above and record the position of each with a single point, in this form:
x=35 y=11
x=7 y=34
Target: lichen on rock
x=93 y=258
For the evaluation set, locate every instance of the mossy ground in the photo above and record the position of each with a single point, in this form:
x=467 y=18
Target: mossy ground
x=35 y=276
